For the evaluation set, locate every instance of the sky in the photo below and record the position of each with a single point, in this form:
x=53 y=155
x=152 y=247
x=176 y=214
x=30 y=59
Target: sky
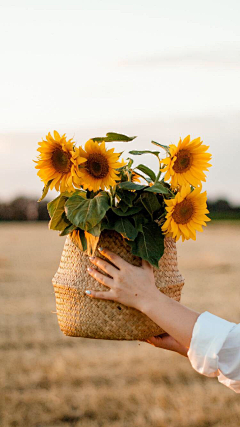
x=156 y=69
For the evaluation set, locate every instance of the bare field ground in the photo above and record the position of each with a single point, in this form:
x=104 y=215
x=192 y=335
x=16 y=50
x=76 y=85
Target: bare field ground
x=51 y=380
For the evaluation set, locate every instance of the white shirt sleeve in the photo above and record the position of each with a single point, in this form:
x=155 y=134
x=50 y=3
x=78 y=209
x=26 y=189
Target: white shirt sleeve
x=215 y=349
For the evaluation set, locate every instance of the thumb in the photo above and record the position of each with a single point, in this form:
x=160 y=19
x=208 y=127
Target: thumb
x=146 y=264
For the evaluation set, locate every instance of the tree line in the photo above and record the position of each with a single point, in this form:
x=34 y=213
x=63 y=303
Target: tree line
x=26 y=209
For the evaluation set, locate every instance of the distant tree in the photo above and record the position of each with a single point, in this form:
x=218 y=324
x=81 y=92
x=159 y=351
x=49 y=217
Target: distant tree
x=220 y=205
x=25 y=209
x=222 y=209
x=5 y=212
x=42 y=211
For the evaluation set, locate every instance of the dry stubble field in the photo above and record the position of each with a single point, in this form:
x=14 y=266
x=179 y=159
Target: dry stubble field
x=48 y=379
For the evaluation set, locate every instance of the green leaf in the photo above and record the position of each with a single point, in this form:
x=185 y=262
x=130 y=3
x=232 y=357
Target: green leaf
x=150 y=202
x=96 y=230
x=128 y=212
x=165 y=147
x=125 y=228
x=45 y=190
x=131 y=186
x=86 y=213
x=147 y=171
x=56 y=210
x=112 y=136
x=126 y=196
x=138 y=153
x=51 y=206
x=123 y=206
x=106 y=224
x=130 y=162
x=149 y=244
x=68 y=230
x=83 y=240
x=122 y=225
x=139 y=220
x=80 y=240
x=158 y=188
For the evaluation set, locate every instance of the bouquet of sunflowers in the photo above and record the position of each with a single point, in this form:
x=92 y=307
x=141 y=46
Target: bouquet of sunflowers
x=145 y=212
x=98 y=191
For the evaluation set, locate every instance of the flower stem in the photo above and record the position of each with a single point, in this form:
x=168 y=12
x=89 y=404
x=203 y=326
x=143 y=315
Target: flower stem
x=112 y=198
x=159 y=172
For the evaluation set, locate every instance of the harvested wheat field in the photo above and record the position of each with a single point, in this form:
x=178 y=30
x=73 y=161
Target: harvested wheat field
x=48 y=379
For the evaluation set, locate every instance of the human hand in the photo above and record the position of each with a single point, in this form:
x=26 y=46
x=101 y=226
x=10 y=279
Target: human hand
x=167 y=342
x=128 y=284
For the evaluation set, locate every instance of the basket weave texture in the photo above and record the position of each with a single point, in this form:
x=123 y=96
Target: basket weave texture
x=82 y=316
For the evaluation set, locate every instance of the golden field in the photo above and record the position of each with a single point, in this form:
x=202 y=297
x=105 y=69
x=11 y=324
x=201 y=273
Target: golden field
x=48 y=379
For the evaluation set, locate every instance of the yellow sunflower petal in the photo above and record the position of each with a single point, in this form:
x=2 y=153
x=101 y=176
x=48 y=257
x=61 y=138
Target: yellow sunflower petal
x=58 y=162
x=57 y=137
x=100 y=169
x=186 y=213
x=187 y=162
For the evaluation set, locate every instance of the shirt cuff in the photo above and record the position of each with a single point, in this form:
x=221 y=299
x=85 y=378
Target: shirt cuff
x=209 y=334
x=232 y=384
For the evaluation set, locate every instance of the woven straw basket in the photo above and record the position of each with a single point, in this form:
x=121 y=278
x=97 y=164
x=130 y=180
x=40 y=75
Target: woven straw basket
x=81 y=316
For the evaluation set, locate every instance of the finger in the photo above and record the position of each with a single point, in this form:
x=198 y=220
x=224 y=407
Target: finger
x=109 y=295
x=114 y=258
x=158 y=338
x=101 y=278
x=157 y=342
x=146 y=264
x=150 y=342
x=164 y=341
x=153 y=340
x=104 y=265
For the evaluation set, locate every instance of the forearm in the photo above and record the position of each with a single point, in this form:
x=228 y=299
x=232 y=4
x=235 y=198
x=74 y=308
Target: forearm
x=176 y=319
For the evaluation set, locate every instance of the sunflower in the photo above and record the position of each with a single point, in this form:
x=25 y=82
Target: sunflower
x=99 y=171
x=135 y=177
x=58 y=161
x=186 y=213
x=187 y=162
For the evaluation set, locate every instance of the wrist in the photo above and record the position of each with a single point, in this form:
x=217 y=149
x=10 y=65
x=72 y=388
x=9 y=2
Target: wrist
x=151 y=299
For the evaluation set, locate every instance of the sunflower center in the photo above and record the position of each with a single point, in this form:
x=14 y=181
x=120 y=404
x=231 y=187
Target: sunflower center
x=61 y=160
x=97 y=165
x=183 y=212
x=183 y=161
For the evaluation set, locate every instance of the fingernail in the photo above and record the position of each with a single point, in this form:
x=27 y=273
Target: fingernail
x=92 y=258
x=88 y=292
x=89 y=269
x=100 y=249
